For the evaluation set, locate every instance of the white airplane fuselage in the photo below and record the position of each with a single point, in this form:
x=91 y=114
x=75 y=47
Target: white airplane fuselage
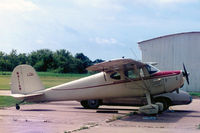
x=101 y=85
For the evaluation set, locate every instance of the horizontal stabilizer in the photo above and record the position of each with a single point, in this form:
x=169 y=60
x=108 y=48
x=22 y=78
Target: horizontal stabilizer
x=28 y=96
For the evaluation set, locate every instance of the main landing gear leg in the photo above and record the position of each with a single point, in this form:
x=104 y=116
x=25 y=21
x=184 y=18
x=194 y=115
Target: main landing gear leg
x=148 y=96
x=149 y=109
x=159 y=104
x=17 y=105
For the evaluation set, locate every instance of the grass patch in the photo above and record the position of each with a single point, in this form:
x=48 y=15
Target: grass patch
x=49 y=79
x=88 y=126
x=7 y=101
x=4 y=82
x=51 y=74
x=198 y=126
x=53 y=79
x=5 y=73
x=195 y=94
x=119 y=117
x=114 y=118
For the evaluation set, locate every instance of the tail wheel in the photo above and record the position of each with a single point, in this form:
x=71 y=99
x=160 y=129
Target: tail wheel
x=90 y=104
x=17 y=107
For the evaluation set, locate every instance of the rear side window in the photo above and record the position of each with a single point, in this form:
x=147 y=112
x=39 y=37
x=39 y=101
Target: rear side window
x=116 y=76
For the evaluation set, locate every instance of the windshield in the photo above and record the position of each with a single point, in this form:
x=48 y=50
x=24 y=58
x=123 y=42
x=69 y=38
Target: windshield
x=151 y=69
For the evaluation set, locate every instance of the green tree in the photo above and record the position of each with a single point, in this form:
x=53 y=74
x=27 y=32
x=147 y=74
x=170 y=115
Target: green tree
x=22 y=58
x=41 y=60
x=12 y=60
x=3 y=64
x=85 y=62
x=98 y=61
x=61 y=61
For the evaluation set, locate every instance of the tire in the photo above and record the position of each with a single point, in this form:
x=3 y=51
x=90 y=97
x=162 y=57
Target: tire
x=84 y=104
x=165 y=101
x=17 y=107
x=90 y=104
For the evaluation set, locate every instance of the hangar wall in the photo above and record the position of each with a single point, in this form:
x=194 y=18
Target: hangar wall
x=172 y=51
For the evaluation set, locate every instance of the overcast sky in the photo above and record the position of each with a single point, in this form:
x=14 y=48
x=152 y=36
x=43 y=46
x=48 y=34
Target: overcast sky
x=104 y=29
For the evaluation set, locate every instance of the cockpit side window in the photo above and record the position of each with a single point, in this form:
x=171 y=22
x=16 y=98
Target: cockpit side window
x=116 y=76
x=131 y=74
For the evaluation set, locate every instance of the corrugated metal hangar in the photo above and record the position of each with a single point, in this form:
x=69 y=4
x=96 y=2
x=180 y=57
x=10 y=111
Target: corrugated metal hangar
x=171 y=51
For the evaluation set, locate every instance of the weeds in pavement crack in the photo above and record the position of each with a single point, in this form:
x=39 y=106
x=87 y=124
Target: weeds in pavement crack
x=87 y=126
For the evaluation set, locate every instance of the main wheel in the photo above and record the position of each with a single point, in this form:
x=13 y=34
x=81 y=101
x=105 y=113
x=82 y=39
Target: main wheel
x=93 y=104
x=166 y=102
x=90 y=104
x=84 y=104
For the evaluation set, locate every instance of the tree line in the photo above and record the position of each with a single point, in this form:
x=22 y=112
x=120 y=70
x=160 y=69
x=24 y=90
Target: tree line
x=45 y=60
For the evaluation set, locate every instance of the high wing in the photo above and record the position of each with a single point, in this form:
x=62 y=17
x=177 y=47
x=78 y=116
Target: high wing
x=115 y=65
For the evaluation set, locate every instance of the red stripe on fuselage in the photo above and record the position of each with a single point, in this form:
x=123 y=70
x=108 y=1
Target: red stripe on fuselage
x=166 y=73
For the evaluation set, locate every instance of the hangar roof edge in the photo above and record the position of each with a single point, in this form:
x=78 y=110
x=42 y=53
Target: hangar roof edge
x=168 y=36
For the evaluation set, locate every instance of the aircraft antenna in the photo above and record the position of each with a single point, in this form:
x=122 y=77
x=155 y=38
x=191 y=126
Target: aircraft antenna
x=134 y=54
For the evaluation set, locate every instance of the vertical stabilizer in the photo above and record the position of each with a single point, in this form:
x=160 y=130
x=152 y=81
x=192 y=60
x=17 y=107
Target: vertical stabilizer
x=24 y=80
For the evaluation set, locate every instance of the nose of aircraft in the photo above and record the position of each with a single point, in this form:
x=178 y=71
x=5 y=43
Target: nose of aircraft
x=186 y=74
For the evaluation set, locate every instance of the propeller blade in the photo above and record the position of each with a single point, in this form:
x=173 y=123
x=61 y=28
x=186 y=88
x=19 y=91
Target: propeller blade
x=186 y=74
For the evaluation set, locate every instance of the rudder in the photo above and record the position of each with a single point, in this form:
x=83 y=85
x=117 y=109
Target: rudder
x=24 y=80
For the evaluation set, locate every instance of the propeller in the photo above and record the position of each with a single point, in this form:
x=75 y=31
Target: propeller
x=186 y=74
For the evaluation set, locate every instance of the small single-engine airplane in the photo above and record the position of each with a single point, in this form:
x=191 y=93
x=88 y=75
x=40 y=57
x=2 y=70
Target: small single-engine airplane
x=116 y=79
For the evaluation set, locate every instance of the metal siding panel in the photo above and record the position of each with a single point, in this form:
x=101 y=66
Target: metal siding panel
x=171 y=51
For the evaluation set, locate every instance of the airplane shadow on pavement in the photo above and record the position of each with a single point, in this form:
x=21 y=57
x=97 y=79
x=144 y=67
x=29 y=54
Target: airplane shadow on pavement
x=169 y=116
x=37 y=110
x=165 y=117
x=122 y=109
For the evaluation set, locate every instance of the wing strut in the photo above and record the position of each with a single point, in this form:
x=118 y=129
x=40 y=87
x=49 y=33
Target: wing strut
x=150 y=109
